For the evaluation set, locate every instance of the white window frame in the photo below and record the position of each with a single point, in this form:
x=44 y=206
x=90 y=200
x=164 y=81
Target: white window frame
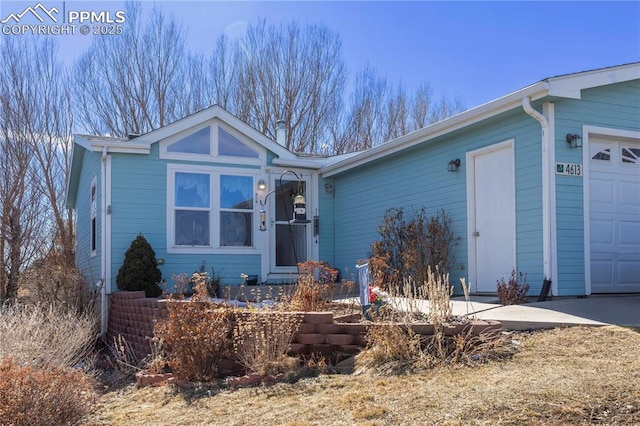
x=213 y=152
x=214 y=210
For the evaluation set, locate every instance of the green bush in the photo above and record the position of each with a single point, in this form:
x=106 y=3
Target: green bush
x=53 y=396
x=139 y=271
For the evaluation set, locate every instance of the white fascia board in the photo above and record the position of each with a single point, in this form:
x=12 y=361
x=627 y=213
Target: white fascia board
x=122 y=148
x=298 y=163
x=459 y=121
x=83 y=142
x=571 y=86
x=112 y=145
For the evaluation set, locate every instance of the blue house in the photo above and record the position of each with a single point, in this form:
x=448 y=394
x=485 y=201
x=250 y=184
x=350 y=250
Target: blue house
x=545 y=180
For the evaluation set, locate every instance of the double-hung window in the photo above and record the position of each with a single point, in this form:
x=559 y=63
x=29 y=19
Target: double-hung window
x=209 y=210
x=192 y=209
x=236 y=211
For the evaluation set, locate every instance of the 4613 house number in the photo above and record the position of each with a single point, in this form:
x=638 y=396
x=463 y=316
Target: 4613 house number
x=569 y=169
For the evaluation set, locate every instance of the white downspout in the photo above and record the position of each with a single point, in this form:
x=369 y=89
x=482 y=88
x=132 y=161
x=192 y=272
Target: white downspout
x=104 y=305
x=547 y=146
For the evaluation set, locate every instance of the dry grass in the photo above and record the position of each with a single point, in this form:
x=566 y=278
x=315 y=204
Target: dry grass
x=39 y=336
x=261 y=341
x=565 y=376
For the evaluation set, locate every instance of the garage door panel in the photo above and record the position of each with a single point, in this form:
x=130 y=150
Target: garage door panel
x=614 y=211
x=601 y=271
x=601 y=191
x=628 y=272
x=602 y=232
x=629 y=234
x=629 y=195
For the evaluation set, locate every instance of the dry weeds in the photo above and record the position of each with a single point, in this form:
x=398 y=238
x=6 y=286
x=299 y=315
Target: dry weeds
x=41 y=336
x=564 y=376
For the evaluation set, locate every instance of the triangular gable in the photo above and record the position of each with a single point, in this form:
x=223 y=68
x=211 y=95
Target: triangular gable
x=211 y=113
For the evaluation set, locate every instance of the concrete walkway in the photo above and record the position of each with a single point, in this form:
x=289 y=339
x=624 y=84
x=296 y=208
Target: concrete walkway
x=623 y=310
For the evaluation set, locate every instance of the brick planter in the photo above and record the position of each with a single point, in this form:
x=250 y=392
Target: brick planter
x=132 y=316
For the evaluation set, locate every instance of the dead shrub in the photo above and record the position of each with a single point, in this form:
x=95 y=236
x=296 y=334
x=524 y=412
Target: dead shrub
x=320 y=270
x=262 y=339
x=411 y=246
x=53 y=282
x=438 y=290
x=309 y=295
x=53 y=396
x=391 y=348
x=394 y=347
x=38 y=336
x=515 y=291
x=196 y=335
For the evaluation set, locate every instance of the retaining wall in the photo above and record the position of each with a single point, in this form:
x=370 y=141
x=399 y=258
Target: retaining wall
x=132 y=316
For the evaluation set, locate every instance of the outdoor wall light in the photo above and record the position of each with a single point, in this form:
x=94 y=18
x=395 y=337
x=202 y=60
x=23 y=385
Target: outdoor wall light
x=328 y=187
x=574 y=140
x=453 y=165
x=262 y=185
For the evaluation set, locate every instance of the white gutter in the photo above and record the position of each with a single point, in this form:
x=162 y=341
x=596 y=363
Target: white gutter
x=104 y=306
x=547 y=146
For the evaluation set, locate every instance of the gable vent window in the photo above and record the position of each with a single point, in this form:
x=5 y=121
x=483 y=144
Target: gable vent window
x=231 y=146
x=197 y=142
x=212 y=143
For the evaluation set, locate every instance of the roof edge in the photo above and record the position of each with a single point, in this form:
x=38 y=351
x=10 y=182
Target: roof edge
x=535 y=91
x=564 y=86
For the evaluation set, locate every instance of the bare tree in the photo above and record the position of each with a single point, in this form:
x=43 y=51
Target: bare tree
x=133 y=83
x=363 y=120
x=396 y=115
x=289 y=73
x=34 y=142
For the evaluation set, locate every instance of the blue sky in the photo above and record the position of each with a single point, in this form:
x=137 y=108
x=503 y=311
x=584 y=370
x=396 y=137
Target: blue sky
x=477 y=51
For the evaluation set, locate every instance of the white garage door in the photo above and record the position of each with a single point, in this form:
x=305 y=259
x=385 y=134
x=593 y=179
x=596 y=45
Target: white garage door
x=614 y=215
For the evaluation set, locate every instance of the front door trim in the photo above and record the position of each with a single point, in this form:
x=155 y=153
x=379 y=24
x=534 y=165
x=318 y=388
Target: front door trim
x=471 y=207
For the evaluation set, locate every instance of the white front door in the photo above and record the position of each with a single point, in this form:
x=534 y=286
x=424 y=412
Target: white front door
x=492 y=215
x=614 y=215
x=289 y=242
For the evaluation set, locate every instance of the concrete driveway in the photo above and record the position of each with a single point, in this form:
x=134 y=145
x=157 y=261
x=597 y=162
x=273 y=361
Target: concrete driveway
x=623 y=310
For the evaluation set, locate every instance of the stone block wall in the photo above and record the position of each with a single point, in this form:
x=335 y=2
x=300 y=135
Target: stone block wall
x=132 y=316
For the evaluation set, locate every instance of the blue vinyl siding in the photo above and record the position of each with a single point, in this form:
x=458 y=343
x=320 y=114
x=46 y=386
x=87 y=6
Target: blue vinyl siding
x=90 y=265
x=326 y=237
x=418 y=177
x=614 y=106
x=139 y=205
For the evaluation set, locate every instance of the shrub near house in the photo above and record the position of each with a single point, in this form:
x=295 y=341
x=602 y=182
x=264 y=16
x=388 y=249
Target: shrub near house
x=139 y=270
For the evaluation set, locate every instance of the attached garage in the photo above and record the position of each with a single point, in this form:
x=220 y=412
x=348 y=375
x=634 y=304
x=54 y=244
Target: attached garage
x=614 y=214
